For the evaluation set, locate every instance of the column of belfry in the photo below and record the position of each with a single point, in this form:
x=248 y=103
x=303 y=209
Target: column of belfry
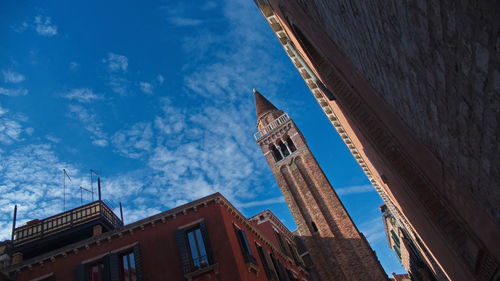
x=338 y=250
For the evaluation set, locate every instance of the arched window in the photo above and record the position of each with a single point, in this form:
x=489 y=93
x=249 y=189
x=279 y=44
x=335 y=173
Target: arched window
x=275 y=152
x=314 y=227
x=290 y=144
x=283 y=149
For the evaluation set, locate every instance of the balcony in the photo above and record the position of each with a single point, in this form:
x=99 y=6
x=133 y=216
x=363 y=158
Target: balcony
x=40 y=236
x=271 y=126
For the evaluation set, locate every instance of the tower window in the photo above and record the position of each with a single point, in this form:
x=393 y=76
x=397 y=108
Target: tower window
x=276 y=153
x=290 y=144
x=283 y=149
x=314 y=227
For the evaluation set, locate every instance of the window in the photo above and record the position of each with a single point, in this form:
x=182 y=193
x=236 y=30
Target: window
x=277 y=155
x=127 y=267
x=96 y=272
x=295 y=256
x=244 y=245
x=290 y=144
x=283 y=148
x=314 y=227
x=282 y=243
x=279 y=269
x=263 y=259
x=194 y=247
x=124 y=266
x=291 y=276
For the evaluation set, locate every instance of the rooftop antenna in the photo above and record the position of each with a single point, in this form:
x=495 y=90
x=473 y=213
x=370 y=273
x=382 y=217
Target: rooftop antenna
x=64 y=187
x=99 y=187
x=81 y=194
x=92 y=172
x=121 y=213
x=14 y=223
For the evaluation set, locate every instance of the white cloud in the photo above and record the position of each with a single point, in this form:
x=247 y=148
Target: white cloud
x=31 y=178
x=134 y=142
x=160 y=78
x=13 y=92
x=265 y=202
x=117 y=65
x=73 y=65
x=10 y=76
x=83 y=95
x=44 y=26
x=184 y=21
x=20 y=27
x=92 y=125
x=53 y=139
x=146 y=87
x=116 y=62
x=373 y=230
x=355 y=189
x=10 y=131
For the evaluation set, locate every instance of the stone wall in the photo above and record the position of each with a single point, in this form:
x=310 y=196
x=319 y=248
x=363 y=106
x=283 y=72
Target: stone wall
x=437 y=65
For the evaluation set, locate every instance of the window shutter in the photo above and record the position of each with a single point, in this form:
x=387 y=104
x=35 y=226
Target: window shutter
x=183 y=251
x=114 y=267
x=239 y=234
x=138 y=263
x=270 y=264
x=80 y=273
x=206 y=242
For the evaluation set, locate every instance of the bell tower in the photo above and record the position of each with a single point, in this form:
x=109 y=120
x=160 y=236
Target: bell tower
x=338 y=250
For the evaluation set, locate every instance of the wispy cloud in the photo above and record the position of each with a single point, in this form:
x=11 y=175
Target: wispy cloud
x=160 y=78
x=146 y=87
x=265 y=202
x=116 y=62
x=373 y=230
x=184 y=21
x=73 y=65
x=83 y=95
x=13 y=92
x=117 y=65
x=355 y=189
x=20 y=27
x=134 y=142
x=44 y=26
x=10 y=76
x=31 y=179
x=92 y=125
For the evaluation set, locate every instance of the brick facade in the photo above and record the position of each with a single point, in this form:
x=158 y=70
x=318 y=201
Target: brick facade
x=338 y=250
x=412 y=89
x=155 y=242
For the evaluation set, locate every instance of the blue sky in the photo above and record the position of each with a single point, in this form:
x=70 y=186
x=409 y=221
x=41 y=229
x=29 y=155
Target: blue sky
x=157 y=97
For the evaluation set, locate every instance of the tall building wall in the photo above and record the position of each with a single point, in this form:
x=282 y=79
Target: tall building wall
x=419 y=114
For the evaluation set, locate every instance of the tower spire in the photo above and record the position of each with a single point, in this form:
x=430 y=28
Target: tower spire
x=262 y=105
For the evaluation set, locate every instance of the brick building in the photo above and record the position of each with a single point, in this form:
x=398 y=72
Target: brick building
x=413 y=89
x=337 y=249
x=207 y=239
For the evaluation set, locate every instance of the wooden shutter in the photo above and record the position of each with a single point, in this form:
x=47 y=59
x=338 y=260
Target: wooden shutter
x=239 y=234
x=81 y=273
x=114 y=267
x=138 y=263
x=206 y=242
x=183 y=250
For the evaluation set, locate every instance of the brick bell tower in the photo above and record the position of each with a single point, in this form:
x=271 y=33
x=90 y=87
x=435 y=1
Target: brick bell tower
x=337 y=249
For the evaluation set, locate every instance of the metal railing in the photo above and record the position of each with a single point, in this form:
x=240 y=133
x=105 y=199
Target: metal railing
x=190 y=264
x=63 y=221
x=271 y=126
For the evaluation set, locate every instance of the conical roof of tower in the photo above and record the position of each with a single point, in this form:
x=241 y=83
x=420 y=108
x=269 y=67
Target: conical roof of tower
x=262 y=105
